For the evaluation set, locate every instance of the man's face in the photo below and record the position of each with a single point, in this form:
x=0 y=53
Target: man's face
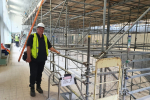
x=40 y=30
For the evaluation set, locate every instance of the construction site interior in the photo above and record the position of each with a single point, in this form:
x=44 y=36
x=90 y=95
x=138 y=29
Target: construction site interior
x=105 y=44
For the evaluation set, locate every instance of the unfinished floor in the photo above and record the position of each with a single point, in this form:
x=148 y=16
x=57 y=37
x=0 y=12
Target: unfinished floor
x=14 y=81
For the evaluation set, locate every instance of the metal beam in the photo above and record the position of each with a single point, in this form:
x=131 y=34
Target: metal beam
x=134 y=70
x=138 y=60
x=139 y=90
x=53 y=8
x=120 y=3
x=135 y=76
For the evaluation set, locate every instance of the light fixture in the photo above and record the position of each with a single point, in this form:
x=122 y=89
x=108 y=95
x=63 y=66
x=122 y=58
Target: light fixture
x=14 y=7
x=14 y=11
x=16 y=1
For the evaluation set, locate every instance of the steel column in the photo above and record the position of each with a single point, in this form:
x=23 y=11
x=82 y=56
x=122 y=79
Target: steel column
x=66 y=23
x=41 y=14
x=50 y=26
x=108 y=26
x=104 y=17
x=88 y=69
x=135 y=47
x=83 y=22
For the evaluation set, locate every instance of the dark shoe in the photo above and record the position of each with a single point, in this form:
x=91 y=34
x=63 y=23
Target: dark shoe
x=39 y=89
x=32 y=92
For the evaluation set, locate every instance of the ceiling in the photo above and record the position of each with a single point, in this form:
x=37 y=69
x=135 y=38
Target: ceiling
x=18 y=7
x=120 y=11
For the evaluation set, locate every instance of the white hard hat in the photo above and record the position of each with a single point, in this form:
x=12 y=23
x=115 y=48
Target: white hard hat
x=41 y=25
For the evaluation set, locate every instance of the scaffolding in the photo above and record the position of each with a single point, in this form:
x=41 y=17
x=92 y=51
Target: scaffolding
x=85 y=31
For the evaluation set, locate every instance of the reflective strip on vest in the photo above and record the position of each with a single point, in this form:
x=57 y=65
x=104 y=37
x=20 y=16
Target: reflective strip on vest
x=35 y=46
x=16 y=38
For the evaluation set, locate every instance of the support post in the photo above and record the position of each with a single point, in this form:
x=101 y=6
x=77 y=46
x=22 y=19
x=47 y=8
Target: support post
x=83 y=22
x=88 y=69
x=107 y=44
x=41 y=14
x=103 y=34
x=108 y=25
x=50 y=26
x=104 y=16
x=66 y=32
x=135 y=47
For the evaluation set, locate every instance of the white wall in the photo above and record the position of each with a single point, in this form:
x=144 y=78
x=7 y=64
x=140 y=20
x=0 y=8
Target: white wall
x=16 y=23
x=6 y=25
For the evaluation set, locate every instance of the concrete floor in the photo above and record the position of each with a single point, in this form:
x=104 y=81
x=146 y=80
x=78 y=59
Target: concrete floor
x=14 y=81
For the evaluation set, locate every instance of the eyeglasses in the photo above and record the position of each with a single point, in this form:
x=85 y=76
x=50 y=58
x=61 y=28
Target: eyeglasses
x=41 y=28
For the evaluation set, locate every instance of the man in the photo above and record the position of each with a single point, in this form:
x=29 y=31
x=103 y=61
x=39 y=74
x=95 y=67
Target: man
x=25 y=14
x=37 y=52
x=17 y=40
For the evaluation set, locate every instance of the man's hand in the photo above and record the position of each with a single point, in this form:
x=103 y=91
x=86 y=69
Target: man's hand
x=28 y=59
x=52 y=49
x=57 y=52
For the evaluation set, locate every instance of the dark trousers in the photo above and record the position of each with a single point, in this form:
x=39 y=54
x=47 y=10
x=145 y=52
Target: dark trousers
x=36 y=69
x=17 y=43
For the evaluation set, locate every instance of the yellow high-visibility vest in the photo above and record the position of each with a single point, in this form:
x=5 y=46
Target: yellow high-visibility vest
x=35 y=46
x=16 y=38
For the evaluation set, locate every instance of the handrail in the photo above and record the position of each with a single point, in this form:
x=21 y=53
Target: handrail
x=69 y=58
x=68 y=87
x=68 y=72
